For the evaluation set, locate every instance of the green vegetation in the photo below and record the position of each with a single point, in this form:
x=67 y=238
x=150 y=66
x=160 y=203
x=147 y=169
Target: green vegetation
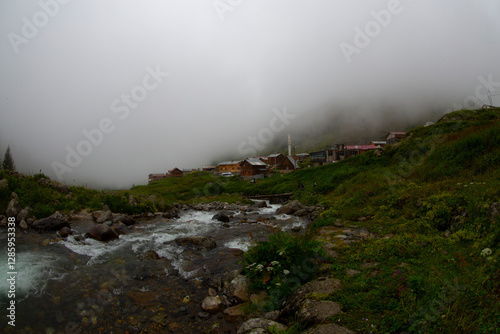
x=8 y=161
x=430 y=200
x=281 y=265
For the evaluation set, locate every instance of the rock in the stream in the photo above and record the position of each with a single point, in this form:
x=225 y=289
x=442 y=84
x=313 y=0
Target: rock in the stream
x=202 y=242
x=212 y=304
x=64 y=232
x=328 y=329
x=103 y=233
x=290 y=207
x=13 y=208
x=23 y=225
x=120 y=228
x=125 y=219
x=53 y=223
x=259 y=325
x=102 y=216
x=221 y=216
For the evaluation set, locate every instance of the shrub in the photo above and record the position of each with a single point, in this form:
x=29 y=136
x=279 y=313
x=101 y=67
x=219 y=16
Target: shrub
x=281 y=265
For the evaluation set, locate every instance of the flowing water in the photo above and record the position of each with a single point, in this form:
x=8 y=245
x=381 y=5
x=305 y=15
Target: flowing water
x=87 y=286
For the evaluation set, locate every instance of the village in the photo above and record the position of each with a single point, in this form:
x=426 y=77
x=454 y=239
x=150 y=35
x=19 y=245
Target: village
x=259 y=167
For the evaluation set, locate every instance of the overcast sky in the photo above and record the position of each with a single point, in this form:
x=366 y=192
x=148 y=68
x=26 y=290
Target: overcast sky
x=134 y=87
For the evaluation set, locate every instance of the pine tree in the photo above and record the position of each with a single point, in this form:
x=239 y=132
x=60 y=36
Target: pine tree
x=8 y=162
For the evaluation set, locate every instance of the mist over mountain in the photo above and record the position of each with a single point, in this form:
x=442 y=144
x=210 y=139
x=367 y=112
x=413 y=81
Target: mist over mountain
x=105 y=93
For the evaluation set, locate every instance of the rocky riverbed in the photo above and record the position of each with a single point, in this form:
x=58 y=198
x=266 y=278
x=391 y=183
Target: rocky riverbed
x=108 y=272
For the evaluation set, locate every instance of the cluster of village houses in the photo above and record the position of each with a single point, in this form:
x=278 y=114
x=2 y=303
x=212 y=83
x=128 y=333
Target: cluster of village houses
x=260 y=166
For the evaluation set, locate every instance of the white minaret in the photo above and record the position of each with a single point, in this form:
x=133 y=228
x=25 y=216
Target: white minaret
x=289 y=146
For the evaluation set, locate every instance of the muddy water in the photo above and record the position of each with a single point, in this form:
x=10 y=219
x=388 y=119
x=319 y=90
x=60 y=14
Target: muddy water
x=88 y=286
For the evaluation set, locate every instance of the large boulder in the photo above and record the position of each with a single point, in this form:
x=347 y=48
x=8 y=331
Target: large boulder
x=65 y=232
x=221 y=216
x=202 y=242
x=4 y=185
x=103 y=232
x=316 y=311
x=24 y=214
x=125 y=219
x=212 y=304
x=102 y=216
x=320 y=288
x=13 y=208
x=237 y=288
x=291 y=207
x=53 y=223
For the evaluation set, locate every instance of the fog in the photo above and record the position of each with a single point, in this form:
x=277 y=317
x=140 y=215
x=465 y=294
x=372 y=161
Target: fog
x=139 y=87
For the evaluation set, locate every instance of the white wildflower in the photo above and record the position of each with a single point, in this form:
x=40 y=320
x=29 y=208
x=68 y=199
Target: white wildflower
x=486 y=252
x=260 y=267
x=286 y=272
x=274 y=263
x=269 y=268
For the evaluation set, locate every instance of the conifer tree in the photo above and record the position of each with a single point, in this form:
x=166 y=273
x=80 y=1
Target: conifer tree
x=8 y=162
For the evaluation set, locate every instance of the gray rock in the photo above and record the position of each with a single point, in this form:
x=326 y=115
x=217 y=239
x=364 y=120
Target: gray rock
x=24 y=214
x=318 y=287
x=291 y=207
x=352 y=272
x=132 y=201
x=103 y=233
x=4 y=185
x=120 y=228
x=14 y=196
x=212 y=304
x=494 y=210
x=53 y=223
x=261 y=324
x=316 y=311
x=202 y=242
x=328 y=329
x=64 y=232
x=125 y=219
x=108 y=223
x=238 y=289
x=104 y=216
x=23 y=225
x=13 y=208
x=221 y=216
x=301 y=213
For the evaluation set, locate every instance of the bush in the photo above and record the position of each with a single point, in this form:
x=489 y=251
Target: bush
x=281 y=265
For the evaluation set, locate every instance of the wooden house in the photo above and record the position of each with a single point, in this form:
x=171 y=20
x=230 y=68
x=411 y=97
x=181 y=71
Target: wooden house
x=232 y=166
x=378 y=143
x=288 y=165
x=274 y=160
x=253 y=168
x=351 y=150
x=300 y=157
x=156 y=177
x=176 y=172
x=209 y=168
x=394 y=137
